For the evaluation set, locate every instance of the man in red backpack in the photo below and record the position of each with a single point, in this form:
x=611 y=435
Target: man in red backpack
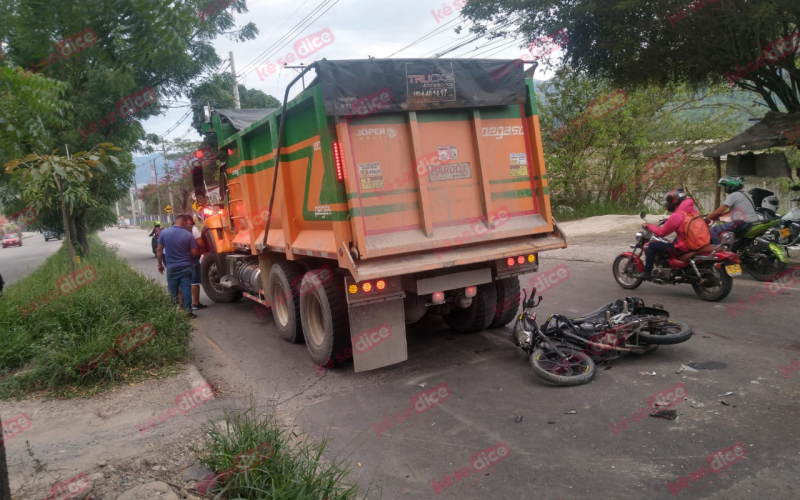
x=681 y=206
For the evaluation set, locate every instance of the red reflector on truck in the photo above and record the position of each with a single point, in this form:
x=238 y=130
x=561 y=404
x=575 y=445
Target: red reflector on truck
x=337 y=157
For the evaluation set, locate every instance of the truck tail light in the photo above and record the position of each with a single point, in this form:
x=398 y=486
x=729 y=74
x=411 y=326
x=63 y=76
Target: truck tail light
x=438 y=297
x=337 y=157
x=367 y=287
x=521 y=260
x=380 y=284
x=510 y=262
x=471 y=291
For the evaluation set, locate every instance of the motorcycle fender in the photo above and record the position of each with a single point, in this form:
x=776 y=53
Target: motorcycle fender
x=779 y=251
x=636 y=260
x=728 y=257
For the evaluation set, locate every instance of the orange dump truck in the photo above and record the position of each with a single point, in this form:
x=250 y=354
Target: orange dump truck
x=401 y=187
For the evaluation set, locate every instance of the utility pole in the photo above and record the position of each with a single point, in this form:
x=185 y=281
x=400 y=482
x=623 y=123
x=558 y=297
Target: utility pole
x=117 y=205
x=166 y=171
x=133 y=207
x=235 y=84
x=158 y=196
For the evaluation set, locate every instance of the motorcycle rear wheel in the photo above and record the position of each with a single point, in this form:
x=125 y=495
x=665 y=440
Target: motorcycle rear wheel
x=675 y=332
x=623 y=275
x=764 y=273
x=547 y=364
x=714 y=294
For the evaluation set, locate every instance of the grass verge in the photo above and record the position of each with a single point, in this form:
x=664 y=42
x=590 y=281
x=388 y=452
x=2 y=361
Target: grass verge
x=48 y=334
x=256 y=457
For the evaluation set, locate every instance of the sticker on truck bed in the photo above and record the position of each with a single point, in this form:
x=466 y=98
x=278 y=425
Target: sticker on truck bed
x=322 y=210
x=447 y=153
x=519 y=165
x=450 y=171
x=370 y=175
x=430 y=82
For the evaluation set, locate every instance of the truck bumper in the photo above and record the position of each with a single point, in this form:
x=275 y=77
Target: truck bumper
x=385 y=267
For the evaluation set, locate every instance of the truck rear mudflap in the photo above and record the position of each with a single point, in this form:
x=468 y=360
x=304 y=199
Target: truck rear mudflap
x=444 y=257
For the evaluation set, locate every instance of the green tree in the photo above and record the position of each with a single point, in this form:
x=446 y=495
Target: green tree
x=135 y=45
x=53 y=181
x=637 y=43
x=218 y=91
x=592 y=152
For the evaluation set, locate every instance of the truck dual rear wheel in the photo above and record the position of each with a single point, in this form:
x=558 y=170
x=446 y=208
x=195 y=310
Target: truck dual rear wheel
x=284 y=280
x=507 y=302
x=210 y=277
x=324 y=316
x=479 y=315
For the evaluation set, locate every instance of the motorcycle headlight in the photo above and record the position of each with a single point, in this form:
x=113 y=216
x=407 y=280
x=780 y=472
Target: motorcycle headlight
x=639 y=234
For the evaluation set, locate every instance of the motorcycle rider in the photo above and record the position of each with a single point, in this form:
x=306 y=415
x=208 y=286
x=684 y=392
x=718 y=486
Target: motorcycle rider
x=738 y=203
x=156 y=229
x=680 y=205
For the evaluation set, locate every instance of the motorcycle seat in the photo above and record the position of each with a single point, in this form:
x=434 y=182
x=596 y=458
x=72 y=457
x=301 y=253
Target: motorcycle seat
x=706 y=249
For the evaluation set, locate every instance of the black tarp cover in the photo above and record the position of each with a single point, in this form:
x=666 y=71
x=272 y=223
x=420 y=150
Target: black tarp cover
x=243 y=118
x=773 y=131
x=361 y=87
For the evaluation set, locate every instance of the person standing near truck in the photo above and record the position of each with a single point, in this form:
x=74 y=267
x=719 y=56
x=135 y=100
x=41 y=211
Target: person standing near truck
x=181 y=247
x=196 y=281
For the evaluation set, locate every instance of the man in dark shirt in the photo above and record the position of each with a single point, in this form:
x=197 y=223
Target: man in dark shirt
x=181 y=247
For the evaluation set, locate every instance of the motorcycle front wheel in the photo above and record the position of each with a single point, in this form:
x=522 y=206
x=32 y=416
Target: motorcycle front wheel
x=623 y=273
x=716 y=292
x=578 y=367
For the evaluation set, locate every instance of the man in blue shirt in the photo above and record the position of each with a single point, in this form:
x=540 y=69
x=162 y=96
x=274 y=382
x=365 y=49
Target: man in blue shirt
x=181 y=247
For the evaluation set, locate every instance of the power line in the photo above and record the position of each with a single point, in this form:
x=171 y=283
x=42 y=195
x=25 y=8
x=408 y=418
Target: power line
x=426 y=36
x=298 y=28
x=275 y=33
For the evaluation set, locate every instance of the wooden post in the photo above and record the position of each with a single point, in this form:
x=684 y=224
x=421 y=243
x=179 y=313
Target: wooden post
x=718 y=172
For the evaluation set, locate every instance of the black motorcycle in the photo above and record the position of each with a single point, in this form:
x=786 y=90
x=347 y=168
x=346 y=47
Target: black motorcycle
x=154 y=243
x=566 y=351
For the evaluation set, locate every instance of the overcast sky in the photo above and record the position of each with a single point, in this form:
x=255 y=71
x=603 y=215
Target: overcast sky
x=360 y=28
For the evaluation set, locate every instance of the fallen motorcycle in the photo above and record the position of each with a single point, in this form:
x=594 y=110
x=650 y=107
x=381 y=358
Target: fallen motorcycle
x=709 y=270
x=567 y=351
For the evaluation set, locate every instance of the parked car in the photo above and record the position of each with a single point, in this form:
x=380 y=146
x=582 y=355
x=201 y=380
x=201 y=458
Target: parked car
x=51 y=235
x=11 y=239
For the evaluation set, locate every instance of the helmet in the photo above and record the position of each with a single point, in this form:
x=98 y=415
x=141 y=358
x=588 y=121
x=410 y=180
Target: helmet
x=731 y=183
x=674 y=198
x=157 y=224
x=770 y=203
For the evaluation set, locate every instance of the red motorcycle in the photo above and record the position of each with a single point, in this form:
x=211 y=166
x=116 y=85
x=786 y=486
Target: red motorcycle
x=709 y=270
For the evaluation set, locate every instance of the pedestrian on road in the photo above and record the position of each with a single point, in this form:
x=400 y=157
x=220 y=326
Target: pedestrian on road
x=196 y=264
x=181 y=248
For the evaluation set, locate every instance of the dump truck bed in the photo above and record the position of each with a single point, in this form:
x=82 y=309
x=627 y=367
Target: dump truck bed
x=396 y=159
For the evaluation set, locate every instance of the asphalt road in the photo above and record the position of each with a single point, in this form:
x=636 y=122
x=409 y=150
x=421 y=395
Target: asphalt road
x=552 y=454
x=17 y=262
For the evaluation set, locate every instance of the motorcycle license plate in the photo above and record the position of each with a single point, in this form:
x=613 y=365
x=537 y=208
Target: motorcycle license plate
x=785 y=232
x=734 y=270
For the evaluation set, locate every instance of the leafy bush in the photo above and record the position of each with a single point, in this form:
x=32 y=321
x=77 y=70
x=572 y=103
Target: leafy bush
x=48 y=335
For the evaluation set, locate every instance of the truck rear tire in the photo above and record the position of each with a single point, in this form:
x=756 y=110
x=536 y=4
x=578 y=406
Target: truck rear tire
x=210 y=278
x=285 y=300
x=324 y=316
x=478 y=316
x=507 y=302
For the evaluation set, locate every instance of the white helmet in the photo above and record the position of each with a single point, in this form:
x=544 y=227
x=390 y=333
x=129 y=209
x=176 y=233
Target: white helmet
x=770 y=203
